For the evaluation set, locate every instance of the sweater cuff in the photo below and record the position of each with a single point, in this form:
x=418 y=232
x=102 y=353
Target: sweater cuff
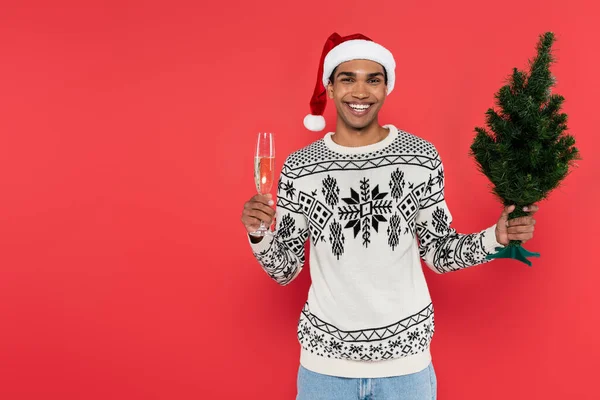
x=489 y=240
x=262 y=245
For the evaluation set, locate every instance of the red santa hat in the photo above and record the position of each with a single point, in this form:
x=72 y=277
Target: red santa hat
x=338 y=50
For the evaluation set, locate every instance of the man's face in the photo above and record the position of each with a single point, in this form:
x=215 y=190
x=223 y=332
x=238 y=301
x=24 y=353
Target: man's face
x=359 y=91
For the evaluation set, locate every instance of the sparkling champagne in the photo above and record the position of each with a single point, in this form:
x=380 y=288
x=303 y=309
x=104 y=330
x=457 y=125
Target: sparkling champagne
x=264 y=172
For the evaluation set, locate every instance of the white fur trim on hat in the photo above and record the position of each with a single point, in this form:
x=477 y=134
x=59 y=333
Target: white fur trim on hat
x=314 y=123
x=359 y=49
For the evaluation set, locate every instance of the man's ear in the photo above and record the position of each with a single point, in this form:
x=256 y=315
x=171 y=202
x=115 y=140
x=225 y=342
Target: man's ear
x=330 y=90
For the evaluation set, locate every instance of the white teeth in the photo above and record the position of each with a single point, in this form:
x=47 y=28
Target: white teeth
x=359 y=107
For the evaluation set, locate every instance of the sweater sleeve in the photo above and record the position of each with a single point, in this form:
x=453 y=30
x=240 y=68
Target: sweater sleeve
x=440 y=246
x=282 y=254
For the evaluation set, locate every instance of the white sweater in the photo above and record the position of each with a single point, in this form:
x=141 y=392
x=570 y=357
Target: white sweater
x=370 y=212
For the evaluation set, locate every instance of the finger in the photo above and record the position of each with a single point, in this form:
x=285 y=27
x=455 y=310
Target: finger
x=531 y=209
x=262 y=216
x=521 y=221
x=503 y=221
x=263 y=198
x=508 y=210
x=269 y=199
x=520 y=236
x=520 y=229
x=255 y=205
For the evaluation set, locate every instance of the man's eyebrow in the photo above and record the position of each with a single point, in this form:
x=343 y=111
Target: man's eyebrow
x=350 y=74
x=353 y=75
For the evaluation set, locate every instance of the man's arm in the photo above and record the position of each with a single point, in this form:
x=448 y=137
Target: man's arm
x=282 y=254
x=440 y=246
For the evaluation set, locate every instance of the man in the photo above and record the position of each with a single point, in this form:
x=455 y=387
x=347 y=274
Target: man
x=371 y=200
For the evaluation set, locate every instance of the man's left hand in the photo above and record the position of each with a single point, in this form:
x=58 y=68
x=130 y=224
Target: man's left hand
x=515 y=229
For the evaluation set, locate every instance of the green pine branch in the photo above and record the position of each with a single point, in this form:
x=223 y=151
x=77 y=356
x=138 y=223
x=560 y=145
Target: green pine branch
x=525 y=150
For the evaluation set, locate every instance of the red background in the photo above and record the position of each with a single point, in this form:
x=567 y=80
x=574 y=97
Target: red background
x=126 y=137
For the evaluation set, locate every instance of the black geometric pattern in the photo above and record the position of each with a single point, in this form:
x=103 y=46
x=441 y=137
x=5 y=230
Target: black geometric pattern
x=326 y=166
x=439 y=244
x=332 y=205
x=286 y=204
x=336 y=238
x=405 y=149
x=405 y=143
x=365 y=210
x=432 y=199
x=287 y=226
x=317 y=213
x=451 y=251
x=316 y=207
x=283 y=258
x=409 y=336
x=434 y=191
x=287 y=187
x=331 y=191
x=394 y=231
x=397 y=184
x=440 y=220
x=409 y=206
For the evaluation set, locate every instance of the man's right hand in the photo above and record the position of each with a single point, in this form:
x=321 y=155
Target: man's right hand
x=258 y=209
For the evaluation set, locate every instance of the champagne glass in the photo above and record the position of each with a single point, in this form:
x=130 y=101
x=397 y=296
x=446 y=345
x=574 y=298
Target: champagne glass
x=264 y=171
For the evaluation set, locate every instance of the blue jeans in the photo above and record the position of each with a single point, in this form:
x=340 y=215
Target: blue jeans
x=421 y=385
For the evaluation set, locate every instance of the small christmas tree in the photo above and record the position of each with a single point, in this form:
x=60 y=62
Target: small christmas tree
x=528 y=152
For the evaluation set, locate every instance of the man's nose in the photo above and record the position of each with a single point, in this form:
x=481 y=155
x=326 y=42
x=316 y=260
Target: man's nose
x=359 y=91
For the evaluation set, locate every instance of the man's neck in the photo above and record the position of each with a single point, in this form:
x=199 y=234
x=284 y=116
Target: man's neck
x=346 y=136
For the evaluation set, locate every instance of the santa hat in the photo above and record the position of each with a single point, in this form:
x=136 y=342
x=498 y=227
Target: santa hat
x=338 y=50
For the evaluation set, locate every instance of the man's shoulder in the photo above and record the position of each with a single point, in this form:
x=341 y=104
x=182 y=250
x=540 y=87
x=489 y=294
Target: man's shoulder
x=405 y=143
x=409 y=142
x=310 y=153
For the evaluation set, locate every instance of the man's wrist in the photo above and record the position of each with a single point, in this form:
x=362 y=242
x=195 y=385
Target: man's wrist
x=497 y=236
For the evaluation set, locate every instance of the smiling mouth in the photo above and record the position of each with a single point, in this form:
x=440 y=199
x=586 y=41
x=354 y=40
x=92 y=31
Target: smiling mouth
x=358 y=109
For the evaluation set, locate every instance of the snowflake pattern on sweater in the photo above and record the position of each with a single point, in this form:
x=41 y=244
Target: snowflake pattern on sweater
x=363 y=207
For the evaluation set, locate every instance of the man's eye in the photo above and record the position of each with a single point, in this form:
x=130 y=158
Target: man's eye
x=346 y=80
x=374 y=80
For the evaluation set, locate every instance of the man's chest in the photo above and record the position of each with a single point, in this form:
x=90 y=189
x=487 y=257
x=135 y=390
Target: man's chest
x=358 y=207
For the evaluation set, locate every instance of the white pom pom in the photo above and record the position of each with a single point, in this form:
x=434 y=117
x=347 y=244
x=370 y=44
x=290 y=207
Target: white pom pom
x=314 y=123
